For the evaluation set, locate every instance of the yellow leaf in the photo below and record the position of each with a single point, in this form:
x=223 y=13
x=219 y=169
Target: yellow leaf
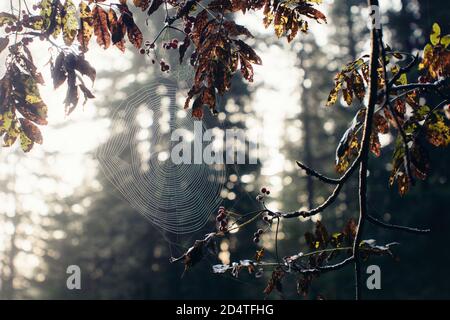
x=5 y=121
x=46 y=12
x=12 y=133
x=332 y=98
x=403 y=79
x=69 y=22
x=25 y=143
x=435 y=34
x=445 y=41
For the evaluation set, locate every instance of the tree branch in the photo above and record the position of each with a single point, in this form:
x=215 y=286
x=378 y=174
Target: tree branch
x=311 y=172
x=373 y=95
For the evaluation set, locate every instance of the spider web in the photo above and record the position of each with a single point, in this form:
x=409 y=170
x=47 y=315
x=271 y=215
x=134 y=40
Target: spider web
x=177 y=198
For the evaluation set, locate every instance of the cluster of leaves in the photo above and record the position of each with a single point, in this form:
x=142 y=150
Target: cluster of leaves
x=109 y=28
x=324 y=248
x=286 y=16
x=65 y=67
x=436 y=56
x=218 y=50
x=197 y=252
x=217 y=56
x=53 y=19
x=403 y=109
x=56 y=17
x=218 y=53
x=21 y=105
x=327 y=246
x=420 y=122
x=350 y=80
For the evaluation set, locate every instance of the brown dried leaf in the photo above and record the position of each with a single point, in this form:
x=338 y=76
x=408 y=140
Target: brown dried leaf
x=101 y=31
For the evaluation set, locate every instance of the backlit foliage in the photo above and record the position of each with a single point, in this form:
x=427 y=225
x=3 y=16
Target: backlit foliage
x=219 y=49
x=409 y=109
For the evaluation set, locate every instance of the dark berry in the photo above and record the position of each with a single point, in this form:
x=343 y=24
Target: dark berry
x=263 y=190
x=260 y=231
x=422 y=79
x=256 y=239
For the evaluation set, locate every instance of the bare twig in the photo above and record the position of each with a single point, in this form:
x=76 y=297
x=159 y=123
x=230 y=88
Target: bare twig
x=385 y=225
x=311 y=172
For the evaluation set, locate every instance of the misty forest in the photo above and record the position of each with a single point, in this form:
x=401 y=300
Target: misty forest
x=224 y=149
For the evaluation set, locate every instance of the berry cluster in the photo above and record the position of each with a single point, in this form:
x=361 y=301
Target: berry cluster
x=257 y=234
x=264 y=192
x=27 y=41
x=18 y=26
x=151 y=46
x=222 y=219
x=172 y=44
x=188 y=25
x=267 y=219
x=164 y=66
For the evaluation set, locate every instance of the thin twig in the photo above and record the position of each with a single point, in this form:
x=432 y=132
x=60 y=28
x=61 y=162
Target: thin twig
x=385 y=225
x=311 y=172
x=276 y=240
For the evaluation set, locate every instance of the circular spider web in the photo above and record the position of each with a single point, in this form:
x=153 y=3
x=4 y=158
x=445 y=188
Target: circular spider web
x=178 y=198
